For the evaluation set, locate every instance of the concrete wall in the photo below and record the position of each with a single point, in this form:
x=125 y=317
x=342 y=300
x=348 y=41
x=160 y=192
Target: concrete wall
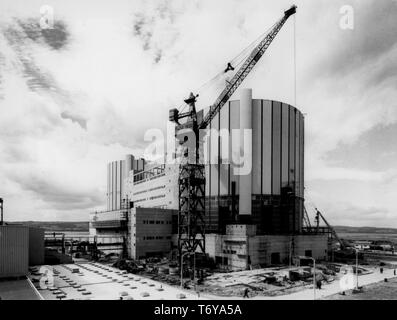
x=117 y=173
x=159 y=191
x=277 y=164
x=36 y=246
x=150 y=232
x=261 y=248
x=14 y=251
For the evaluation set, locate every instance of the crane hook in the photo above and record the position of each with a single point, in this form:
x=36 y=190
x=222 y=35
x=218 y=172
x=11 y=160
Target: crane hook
x=229 y=67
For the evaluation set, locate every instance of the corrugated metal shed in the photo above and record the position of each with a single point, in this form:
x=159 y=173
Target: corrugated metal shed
x=14 y=251
x=36 y=246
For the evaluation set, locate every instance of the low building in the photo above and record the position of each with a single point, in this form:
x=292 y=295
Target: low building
x=20 y=247
x=150 y=231
x=142 y=201
x=241 y=248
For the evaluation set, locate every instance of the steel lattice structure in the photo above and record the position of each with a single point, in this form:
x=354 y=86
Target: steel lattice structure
x=191 y=208
x=191 y=226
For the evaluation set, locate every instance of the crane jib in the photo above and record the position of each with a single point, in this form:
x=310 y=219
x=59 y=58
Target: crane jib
x=242 y=73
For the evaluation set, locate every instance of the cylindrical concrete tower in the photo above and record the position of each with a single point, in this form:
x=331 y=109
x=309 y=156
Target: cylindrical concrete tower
x=245 y=143
x=271 y=195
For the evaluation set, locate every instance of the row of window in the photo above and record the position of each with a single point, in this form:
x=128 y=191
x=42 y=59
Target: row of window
x=147 y=176
x=148 y=190
x=156 y=238
x=150 y=198
x=156 y=222
x=157 y=197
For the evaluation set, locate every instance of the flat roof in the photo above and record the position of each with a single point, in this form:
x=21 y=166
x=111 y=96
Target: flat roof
x=18 y=290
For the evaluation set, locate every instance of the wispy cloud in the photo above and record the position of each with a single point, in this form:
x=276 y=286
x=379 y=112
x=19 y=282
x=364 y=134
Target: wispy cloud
x=84 y=93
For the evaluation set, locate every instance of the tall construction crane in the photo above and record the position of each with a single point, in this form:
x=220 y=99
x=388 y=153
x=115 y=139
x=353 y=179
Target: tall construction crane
x=191 y=233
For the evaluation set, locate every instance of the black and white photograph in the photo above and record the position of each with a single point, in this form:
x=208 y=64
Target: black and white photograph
x=199 y=154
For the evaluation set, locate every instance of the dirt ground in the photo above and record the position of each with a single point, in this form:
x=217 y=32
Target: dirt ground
x=376 y=291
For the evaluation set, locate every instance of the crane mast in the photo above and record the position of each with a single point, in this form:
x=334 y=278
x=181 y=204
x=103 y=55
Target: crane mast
x=191 y=225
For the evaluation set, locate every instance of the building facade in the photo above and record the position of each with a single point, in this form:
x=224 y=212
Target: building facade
x=155 y=187
x=117 y=173
x=254 y=192
x=150 y=231
x=271 y=194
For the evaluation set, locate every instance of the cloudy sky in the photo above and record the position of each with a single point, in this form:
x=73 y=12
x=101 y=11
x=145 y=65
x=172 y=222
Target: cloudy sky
x=82 y=94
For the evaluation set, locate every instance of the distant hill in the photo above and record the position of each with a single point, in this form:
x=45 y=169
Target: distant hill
x=83 y=226
x=57 y=225
x=344 y=229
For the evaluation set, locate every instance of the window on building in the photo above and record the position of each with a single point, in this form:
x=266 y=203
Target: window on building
x=308 y=253
x=275 y=258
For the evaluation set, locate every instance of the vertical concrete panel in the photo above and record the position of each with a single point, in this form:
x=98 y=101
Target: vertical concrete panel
x=291 y=146
x=245 y=199
x=276 y=152
x=121 y=177
x=256 y=146
x=234 y=145
x=215 y=156
x=129 y=158
x=224 y=150
x=141 y=164
x=207 y=149
x=36 y=246
x=108 y=187
x=118 y=184
x=297 y=152
x=302 y=159
x=114 y=193
x=284 y=144
x=267 y=147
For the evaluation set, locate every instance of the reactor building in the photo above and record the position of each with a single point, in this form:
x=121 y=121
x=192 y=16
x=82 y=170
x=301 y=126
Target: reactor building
x=254 y=191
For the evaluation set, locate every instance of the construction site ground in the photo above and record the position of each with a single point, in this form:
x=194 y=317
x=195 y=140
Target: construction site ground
x=102 y=282
x=328 y=289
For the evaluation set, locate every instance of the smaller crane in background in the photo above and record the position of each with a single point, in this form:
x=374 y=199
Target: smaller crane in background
x=333 y=232
x=1 y=208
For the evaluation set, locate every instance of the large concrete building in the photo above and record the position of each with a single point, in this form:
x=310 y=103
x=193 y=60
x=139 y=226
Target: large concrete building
x=253 y=216
x=271 y=194
x=142 y=202
x=117 y=172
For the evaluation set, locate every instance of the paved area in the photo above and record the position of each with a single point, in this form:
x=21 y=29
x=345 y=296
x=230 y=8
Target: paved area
x=101 y=282
x=376 y=291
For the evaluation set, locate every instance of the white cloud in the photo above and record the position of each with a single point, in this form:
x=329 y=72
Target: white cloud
x=121 y=80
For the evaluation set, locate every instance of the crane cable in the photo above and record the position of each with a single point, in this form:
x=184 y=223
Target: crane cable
x=235 y=62
x=295 y=61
